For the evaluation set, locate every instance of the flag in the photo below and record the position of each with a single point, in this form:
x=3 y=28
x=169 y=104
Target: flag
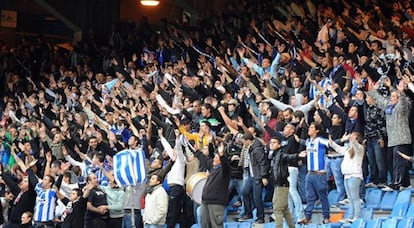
x=129 y=167
x=107 y=87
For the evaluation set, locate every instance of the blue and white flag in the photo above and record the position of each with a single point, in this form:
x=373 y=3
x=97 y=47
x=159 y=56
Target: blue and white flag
x=107 y=87
x=129 y=167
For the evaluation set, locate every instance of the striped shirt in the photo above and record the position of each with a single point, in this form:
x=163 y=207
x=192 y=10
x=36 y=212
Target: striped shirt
x=44 y=210
x=316 y=149
x=314 y=92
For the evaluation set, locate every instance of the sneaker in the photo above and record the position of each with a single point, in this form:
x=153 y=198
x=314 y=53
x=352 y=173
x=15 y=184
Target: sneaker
x=304 y=221
x=370 y=185
x=245 y=218
x=387 y=189
x=352 y=220
x=403 y=188
x=347 y=220
x=381 y=185
x=259 y=221
x=326 y=221
x=344 y=201
x=362 y=201
x=237 y=204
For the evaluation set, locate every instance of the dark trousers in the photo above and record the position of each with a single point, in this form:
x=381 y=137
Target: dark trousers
x=175 y=204
x=400 y=175
x=257 y=198
x=95 y=223
x=115 y=222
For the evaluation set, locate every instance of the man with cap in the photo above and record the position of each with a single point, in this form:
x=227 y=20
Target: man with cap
x=232 y=109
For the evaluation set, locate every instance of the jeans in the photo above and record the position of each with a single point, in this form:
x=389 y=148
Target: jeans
x=376 y=162
x=153 y=226
x=333 y=167
x=247 y=194
x=352 y=190
x=257 y=198
x=127 y=222
x=175 y=204
x=316 y=188
x=297 y=208
x=303 y=170
x=236 y=184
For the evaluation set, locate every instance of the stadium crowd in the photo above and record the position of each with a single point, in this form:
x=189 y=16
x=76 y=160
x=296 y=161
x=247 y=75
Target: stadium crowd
x=276 y=101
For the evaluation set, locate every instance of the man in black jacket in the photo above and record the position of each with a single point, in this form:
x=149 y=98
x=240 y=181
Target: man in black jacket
x=258 y=172
x=215 y=191
x=281 y=160
x=75 y=207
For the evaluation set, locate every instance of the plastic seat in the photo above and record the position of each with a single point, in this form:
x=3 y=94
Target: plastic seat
x=410 y=212
x=399 y=210
x=404 y=196
x=367 y=213
x=388 y=200
x=333 y=197
x=268 y=225
x=231 y=225
x=246 y=224
x=196 y=225
x=373 y=198
x=390 y=223
x=406 y=223
x=374 y=223
x=359 y=223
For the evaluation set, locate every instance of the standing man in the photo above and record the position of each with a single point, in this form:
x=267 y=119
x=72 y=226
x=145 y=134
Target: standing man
x=258 y=171
x=316 y=184
x=281 y=159
x=156 y=203
x=75 y=207
x=396 y=109
x=215 y=191
x=97 y=206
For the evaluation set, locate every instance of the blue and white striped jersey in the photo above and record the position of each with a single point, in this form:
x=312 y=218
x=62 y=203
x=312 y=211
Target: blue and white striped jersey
x=316 y=150
x=44 y=210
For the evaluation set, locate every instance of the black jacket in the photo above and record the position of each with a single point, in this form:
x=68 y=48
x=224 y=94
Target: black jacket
x=281 y=161
x=215 y=190
x=26 y=201
x=75 y=214
x=258 y=159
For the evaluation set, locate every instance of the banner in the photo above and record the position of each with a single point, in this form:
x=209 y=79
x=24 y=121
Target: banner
x=8 y=19
x=129 y=167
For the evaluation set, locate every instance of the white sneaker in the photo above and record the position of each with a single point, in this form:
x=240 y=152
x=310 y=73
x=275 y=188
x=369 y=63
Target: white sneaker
x=370 y=185
x=403 y=188
x=344 y=201
x=347 y=220
x=387 y=189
